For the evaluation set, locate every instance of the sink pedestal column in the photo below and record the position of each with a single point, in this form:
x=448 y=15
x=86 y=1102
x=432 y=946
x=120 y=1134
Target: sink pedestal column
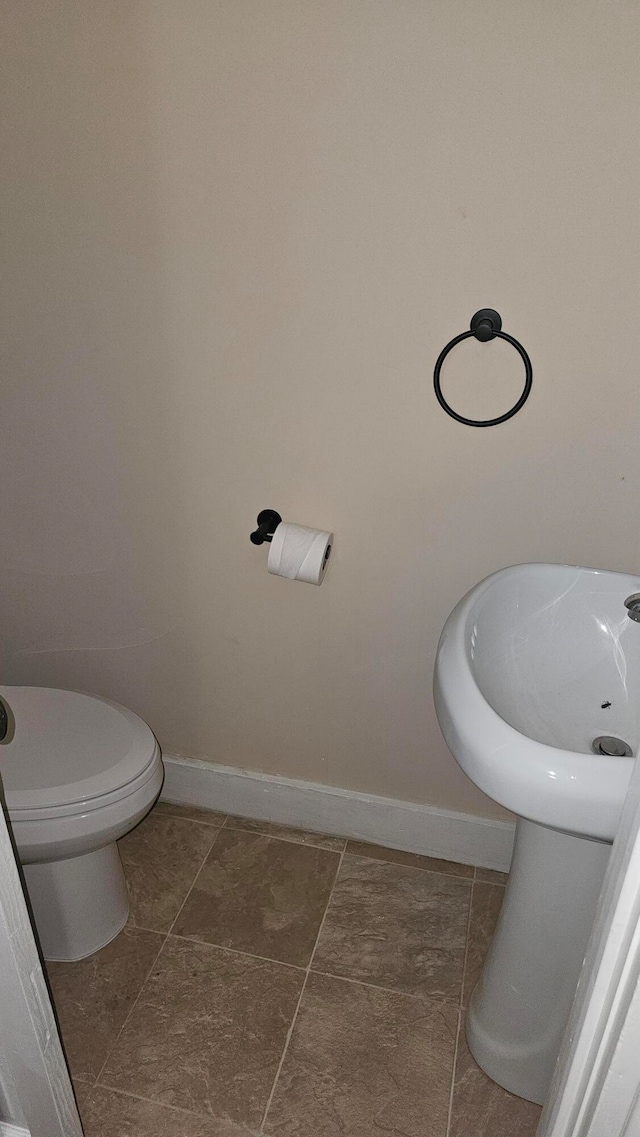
x=520 y=1006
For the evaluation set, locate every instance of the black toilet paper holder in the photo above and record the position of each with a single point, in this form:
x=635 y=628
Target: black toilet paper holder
x=268 y=521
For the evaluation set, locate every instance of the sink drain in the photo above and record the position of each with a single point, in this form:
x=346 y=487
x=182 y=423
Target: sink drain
x=610 y=746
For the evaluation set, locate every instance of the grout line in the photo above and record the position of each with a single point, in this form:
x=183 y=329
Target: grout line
x=193 y=882
x=155 y=960
x=284 y=1053
x=155 y=1101
x=439 y=1000
x=460 y=1012
x=142 y=928
x=453 y=1072
x=218 y=827
x=169 y=805
x=131 y=1008
x=235 y=951
x=416 y=868
x=282 y=837
x=328 y=904
x=302 y=991
x=466 y=946
x=193 y=820
x=230 y=818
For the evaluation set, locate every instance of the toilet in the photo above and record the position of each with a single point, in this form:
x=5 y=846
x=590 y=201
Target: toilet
x=78 y=772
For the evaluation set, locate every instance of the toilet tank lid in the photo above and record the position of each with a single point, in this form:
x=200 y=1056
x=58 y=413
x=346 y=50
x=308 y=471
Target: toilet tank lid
x=65 y=747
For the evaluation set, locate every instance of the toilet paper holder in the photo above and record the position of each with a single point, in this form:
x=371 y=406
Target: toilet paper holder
x=268 y=521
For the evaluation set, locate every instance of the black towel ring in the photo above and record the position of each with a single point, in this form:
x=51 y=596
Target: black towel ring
x=485 y=325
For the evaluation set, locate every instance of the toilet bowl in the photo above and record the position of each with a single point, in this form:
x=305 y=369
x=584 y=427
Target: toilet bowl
x=78 y=772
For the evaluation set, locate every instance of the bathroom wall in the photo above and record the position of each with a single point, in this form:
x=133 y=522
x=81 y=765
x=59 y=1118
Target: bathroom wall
x=236 y=236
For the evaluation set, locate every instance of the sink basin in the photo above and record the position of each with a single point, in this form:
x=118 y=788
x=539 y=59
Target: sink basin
x=537 y=665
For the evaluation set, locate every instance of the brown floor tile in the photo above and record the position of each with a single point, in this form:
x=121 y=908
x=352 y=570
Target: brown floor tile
x=364 y=1061
x=413 y=860
x=491 y=876
x=486 y=902
x=108 y=1113
x=395 y=927
x=94 y=996
x=481 y=1108
x=207 y=1032
x=82 y=1081
x=161 y=858
x=190 y=813
x=286 y=833
x=259 y=895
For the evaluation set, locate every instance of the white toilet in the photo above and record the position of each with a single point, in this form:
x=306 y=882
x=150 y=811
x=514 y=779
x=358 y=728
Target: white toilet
x=78 y=772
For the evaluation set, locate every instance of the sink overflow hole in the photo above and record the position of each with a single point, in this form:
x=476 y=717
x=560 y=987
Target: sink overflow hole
x=610 y=746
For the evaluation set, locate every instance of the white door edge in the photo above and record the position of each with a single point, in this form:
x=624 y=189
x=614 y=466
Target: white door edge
x=36 y=1087
x=596 y=1087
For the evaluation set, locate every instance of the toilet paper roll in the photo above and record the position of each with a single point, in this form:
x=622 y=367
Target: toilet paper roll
x=298 y=553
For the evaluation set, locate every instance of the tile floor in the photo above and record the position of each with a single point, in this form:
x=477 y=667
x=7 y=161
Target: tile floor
x=283 y=983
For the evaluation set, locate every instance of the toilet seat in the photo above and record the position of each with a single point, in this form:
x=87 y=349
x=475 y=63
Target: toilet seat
x=71 y=753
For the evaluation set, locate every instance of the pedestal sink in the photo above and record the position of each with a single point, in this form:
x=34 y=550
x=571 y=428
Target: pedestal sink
x=537 y=690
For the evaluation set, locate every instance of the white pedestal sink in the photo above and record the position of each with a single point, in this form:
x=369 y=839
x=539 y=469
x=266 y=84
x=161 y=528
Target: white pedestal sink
x=533 y=665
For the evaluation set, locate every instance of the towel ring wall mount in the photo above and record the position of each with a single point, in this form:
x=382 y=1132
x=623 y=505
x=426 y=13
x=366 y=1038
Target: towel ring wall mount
x=486 y=324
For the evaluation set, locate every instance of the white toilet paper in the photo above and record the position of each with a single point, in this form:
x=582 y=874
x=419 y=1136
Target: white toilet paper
x=298 y=553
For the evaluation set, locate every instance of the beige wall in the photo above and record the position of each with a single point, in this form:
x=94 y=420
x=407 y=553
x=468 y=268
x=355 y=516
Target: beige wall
x=238 y=235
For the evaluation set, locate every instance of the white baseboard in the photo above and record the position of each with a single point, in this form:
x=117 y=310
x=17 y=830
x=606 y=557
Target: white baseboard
x=346 y=813
x=7 y=1130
